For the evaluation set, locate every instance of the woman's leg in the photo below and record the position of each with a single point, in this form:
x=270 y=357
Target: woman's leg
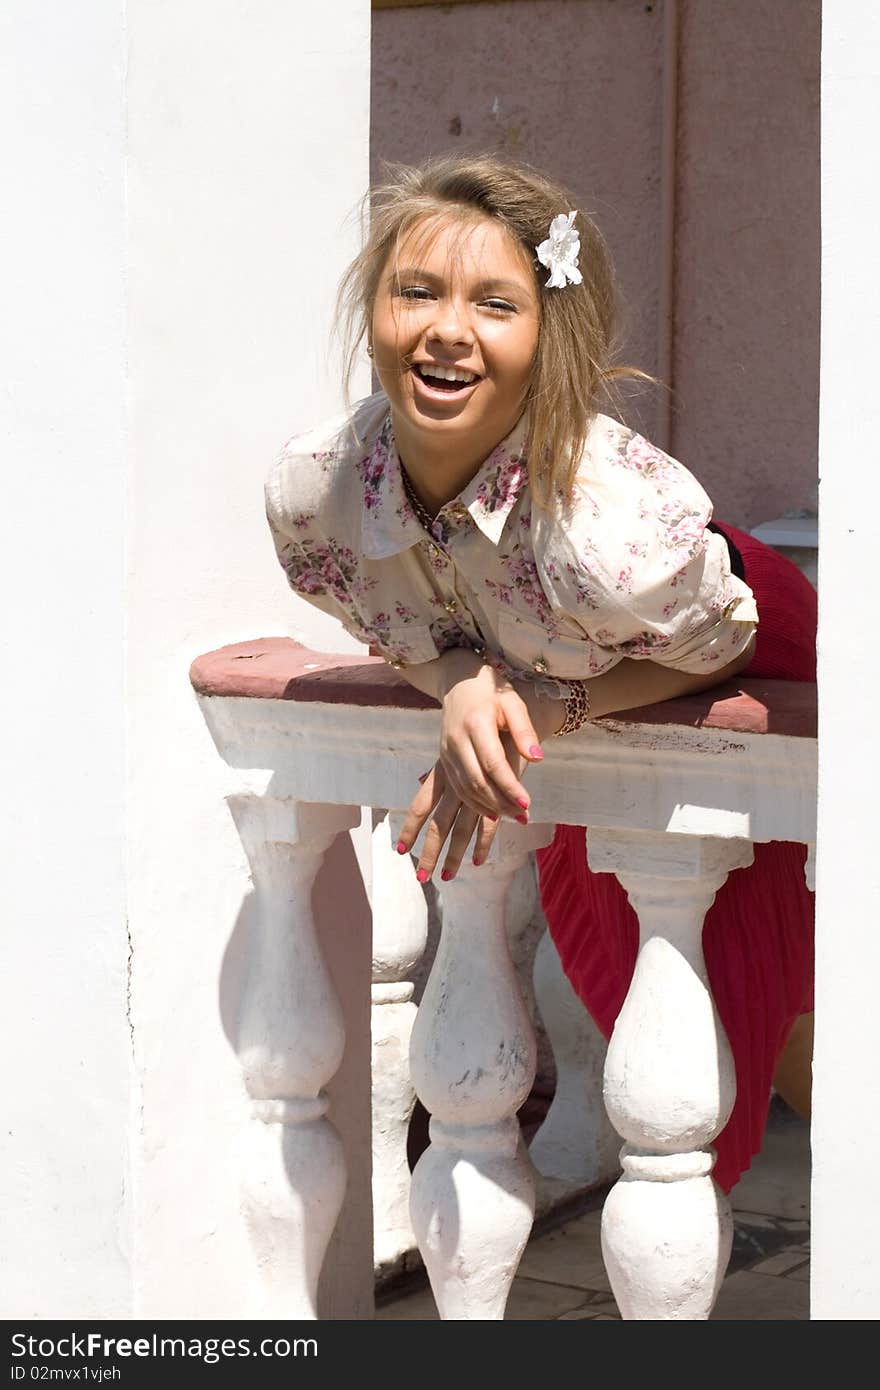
x=793 y=1077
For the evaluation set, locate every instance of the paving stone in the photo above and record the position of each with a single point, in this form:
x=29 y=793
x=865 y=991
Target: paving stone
x=778 y=1182
x=418 y=1306
x=571 y=1255
x=536 y=1298
x=530 y=1300
x=748 y=1297
x=594 y=1312
x=757 y=1239
x=782 y=1263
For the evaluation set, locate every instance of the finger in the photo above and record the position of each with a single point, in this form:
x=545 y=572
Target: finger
x=478 y=767
x=465 y=776
x=495 y=764
x=420 y=809
x=485 y=836
x=466 y=823
x=520 y=726
x=467 y=780
x=439 y=828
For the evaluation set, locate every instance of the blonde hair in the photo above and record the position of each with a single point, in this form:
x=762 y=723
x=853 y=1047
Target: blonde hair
x=573 y=363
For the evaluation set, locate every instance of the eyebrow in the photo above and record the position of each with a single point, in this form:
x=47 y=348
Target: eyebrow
x=517 y=286
x=414 y=272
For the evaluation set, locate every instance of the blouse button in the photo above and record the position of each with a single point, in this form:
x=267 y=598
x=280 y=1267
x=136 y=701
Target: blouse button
x=479 y=651
x=398 y=665
x=451 y=606
x=540 y=666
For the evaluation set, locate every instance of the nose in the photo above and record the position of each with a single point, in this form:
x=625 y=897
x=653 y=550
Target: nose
x=451 y=324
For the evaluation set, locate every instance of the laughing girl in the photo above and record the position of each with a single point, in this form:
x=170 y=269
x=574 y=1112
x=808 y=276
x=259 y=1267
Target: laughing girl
x=532 y=563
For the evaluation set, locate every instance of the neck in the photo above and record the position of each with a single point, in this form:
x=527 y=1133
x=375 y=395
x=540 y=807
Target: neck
x=437 y=470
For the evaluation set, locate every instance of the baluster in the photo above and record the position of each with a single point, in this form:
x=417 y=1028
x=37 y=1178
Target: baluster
x=576 y=1145
x=400 y=931
x=290 y=1044
x=473 y=1061
x=669 y=1081
x=810 y=868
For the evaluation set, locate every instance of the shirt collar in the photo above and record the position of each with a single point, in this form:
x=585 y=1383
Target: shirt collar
x=389 y=524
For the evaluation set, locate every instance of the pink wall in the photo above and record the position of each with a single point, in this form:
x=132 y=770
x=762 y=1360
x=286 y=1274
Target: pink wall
x=746 y=356
x=575 y=86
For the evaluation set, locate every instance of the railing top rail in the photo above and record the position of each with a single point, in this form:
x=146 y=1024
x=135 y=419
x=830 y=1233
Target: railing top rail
x=277 y=668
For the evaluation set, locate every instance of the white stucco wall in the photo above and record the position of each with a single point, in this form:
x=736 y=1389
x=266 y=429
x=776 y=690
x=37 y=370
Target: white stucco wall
x=63 y=1012
x=241 y=174
x=846 y=1125
x=132 y=538
x=176 y=182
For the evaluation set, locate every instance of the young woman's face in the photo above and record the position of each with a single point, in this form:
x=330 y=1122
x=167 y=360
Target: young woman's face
x=454 y=333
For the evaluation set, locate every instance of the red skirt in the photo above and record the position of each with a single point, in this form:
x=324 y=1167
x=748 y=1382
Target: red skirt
x=758 y=934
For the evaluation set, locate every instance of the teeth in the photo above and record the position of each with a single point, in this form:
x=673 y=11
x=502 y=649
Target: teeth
x=447 y=373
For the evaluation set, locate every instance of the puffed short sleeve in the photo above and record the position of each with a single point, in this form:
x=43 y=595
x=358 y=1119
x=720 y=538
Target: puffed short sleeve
x=633 y=563
x=321 y=566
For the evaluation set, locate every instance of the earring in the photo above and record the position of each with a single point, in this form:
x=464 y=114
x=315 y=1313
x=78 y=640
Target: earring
x=369 y=349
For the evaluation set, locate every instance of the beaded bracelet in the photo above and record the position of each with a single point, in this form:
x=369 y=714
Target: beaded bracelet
x=577 y=708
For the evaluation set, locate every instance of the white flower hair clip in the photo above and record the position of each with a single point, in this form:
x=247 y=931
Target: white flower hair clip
x=559 y=253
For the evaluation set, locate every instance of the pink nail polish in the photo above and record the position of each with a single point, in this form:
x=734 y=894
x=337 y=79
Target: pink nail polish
x=446 y=875
x=535 y=751
x=523 y=820
x=523 y=801
x=490 y=817
x=422 y=875
x=477 y=862
x=401 y=847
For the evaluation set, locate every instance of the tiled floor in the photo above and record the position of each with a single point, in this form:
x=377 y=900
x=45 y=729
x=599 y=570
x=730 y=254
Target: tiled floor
x=561 y=1274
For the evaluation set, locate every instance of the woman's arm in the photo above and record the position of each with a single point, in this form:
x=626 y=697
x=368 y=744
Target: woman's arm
x=492 y=727
x=479 y=707
x=631 y=684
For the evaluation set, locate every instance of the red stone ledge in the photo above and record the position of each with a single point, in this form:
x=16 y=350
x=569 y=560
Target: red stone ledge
x=277 y=668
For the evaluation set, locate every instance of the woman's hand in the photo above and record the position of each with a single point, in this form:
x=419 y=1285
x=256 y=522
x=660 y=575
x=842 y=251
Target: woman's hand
x=452 y=820
x=490 y=733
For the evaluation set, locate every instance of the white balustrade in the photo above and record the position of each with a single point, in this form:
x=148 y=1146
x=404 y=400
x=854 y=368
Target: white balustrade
x=400 y=930
x=472 y=1060
x=576 y=1146
x=290 y=1042
x=674 y=798
x=669 y=1080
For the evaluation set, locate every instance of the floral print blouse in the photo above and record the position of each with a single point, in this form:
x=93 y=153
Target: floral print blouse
x=627 y=570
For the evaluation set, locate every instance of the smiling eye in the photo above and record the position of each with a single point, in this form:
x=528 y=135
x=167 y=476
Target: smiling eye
x=500 y=306
x=417 y=292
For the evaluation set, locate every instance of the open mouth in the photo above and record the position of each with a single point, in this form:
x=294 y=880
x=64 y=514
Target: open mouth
x=446 y=380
